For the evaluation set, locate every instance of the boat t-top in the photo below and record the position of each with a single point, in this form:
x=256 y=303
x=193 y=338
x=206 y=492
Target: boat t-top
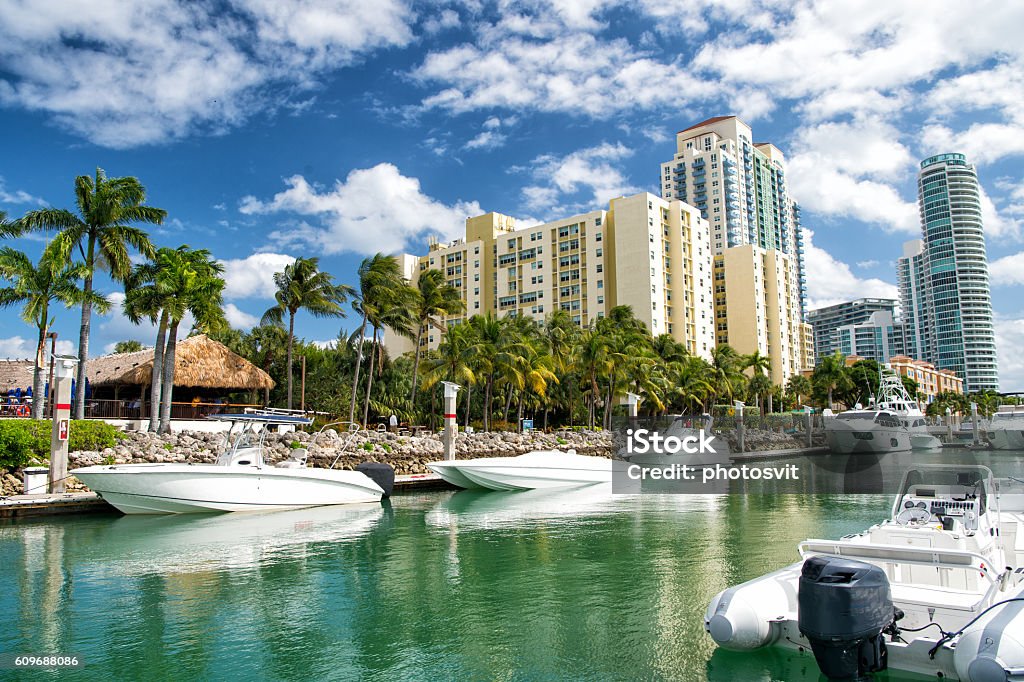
x=239 y=480
x=936 y=589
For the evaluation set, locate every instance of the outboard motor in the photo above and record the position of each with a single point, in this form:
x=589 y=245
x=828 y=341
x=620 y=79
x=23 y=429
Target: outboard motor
x=381 y=474
x=844 y=606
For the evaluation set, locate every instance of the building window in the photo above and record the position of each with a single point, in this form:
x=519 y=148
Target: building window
x=600 y=284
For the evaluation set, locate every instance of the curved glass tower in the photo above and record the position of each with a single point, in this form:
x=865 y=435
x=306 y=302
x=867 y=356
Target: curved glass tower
x=959 y=334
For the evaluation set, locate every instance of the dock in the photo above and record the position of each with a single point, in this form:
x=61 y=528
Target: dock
x=46 y=504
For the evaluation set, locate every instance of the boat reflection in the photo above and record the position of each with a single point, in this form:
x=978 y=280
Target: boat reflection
x=134 y=545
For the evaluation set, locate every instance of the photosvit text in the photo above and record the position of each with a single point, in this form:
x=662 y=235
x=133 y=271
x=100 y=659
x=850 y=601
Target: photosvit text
x=685 y=472
x=642 y=441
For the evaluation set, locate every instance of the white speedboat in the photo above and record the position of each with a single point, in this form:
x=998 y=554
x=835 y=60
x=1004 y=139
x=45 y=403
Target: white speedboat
x=538 y=469
x=239 y=480
x=1006 y=428
x=937 y=589
x=680 y=438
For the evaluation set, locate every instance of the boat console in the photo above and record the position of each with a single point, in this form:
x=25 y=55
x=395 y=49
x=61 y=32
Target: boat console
x=956 y=497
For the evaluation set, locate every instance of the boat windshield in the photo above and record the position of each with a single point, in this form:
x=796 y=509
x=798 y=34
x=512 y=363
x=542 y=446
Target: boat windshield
x=846 y=416
x=963 y=484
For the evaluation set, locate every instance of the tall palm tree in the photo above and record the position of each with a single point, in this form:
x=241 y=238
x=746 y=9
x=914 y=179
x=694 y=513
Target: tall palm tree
x=761 y=365
x=146 y=296
x=799 y=386
x=102 y=233
x=434 y=299
x=194 y=278
x=379 y=277
x=394 y=312
x=301 y=286
x=36 y=287
x=726 y=373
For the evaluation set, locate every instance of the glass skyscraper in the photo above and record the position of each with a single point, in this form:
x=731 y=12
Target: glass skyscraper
x=945 y=299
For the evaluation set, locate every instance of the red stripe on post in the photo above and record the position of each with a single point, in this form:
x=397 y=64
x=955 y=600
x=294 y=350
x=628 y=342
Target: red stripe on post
x=63 y=406
x=449 y=416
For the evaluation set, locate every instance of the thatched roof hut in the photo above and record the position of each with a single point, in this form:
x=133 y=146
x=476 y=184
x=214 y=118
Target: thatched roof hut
x=15 y=374
x=199 y=362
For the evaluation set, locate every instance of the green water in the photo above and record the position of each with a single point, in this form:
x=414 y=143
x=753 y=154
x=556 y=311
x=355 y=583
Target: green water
x=540 y=585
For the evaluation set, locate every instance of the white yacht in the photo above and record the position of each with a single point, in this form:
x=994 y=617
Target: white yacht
x=893 y=423
x=937 y=589
x=239 y=480
x=537 y=469
x=1006 y=429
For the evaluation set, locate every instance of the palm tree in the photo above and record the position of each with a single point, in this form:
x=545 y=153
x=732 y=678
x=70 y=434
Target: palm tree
x=799 y=386
x=726 y=375
x=301 y=286
x=128 y=346
x=830 y=375
x=434 y=298
x=379 y=277
x=194 y=278
x=453 y=361
x=102 y=233
x=36 y=287
x=761 y=365
x=393 y=312
x=147 y=296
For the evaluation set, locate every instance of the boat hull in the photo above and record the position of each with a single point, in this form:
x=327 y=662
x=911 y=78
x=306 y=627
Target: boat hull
x=185 y=488
x=532 y=471
x=845 y=439
x=1007 y=439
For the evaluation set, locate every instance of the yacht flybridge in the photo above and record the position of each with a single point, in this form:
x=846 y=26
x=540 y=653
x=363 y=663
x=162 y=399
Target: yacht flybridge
x=239 y=480
x=895 y=423
x=936 y=589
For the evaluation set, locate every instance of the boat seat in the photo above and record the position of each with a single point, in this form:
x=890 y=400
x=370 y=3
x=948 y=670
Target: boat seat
x=296 y=459
x=931 y=595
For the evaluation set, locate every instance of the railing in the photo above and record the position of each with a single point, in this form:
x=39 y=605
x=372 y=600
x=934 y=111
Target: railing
x=133 y=409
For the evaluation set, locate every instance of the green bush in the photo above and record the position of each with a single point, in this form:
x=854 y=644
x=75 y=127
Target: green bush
x=22 y=440
x=16 y=445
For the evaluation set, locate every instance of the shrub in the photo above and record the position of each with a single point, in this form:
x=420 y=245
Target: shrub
x=21 y=440
x=16 y=445
x=368 y=446
x=294 y=445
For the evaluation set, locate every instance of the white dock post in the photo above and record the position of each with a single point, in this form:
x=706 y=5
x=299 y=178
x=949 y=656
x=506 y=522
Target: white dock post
x=809 y=411
x=451 y=426
x=60 y=394
x=632 y=401
x=740 y=429
x=977 y=427
x=949 y=425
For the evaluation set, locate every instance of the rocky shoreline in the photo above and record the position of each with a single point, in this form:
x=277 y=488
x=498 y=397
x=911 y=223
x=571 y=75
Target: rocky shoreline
x=407 y=454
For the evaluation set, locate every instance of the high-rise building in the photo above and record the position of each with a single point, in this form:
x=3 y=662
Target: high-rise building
x=944 y=288
x=867 y=319
x=740 y=187
x=647 y=252
x=757 y=308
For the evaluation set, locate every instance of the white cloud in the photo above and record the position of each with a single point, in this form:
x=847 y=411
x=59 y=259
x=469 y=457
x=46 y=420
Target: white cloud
x=867 y=264
x=830 y=280
x=373 y=209
x=123 y=75
x=239 y=319
x=592 y=172
x=446 y=19
x=488 y=139
x=1008 y=270
x=253 y=277
x=1011 y=361
x=20 y=348
x=17 y=196
x=981 y=142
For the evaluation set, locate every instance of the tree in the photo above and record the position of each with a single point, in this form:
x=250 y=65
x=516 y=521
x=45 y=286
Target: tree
x=434 y=298
x=35 y=287
x=102 y=233
x=193 y=278
x=830 y=375
x=799 y=386
x=760 y=365
x=128 y=346
x=453 y=361
x=301 y=286
x=150 y=296
x=379 y=277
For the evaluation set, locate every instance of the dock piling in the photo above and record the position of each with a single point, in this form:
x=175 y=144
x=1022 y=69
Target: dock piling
x=451 y=427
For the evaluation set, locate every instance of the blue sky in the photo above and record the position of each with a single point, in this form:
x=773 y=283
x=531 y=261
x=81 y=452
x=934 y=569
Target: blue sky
x=338 y=128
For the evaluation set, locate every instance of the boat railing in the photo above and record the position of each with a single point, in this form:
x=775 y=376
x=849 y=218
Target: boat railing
x=353 y=429
x=899 y=554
